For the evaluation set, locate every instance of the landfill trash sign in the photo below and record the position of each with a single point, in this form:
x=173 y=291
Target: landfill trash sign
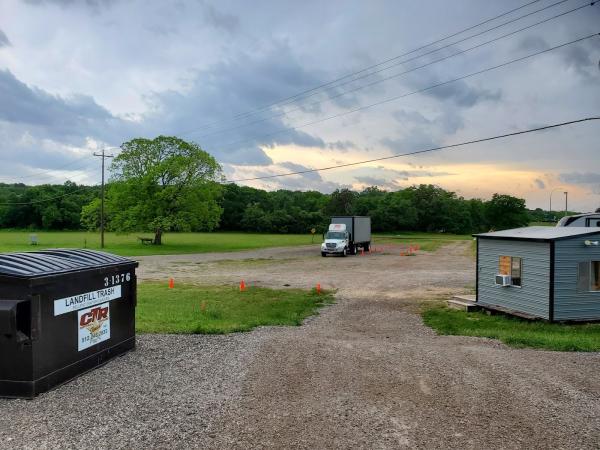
x=94 y=325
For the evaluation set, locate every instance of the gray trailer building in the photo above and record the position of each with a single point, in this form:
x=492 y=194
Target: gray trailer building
x=545 y=272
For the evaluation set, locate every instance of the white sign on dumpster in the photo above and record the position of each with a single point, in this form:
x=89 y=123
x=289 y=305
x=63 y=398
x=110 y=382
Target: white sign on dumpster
x=86 y=300
x=94 y=326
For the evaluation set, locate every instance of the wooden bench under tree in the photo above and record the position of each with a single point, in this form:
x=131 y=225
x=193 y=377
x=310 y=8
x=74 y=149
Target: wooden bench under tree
x=146 y=241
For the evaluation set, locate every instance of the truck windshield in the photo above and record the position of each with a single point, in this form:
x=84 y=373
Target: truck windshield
x=336 y=235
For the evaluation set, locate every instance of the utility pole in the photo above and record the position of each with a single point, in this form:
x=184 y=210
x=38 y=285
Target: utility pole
x=566 y=203
x=102 y=155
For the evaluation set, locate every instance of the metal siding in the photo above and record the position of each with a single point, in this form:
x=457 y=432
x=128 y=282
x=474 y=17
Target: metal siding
x=533 y=297
x=569 y=304
x=362 y=232
x=359 y=227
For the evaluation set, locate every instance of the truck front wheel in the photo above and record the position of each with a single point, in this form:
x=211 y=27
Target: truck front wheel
x=345 y=252
x=323 y=254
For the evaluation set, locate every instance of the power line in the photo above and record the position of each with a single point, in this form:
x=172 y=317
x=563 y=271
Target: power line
x=418 y=91
x=34 y=202
x=45 y=174
x=316 y=88
x=417 y=152
x=44 y=200
x=382 y=80
x=366 y=161
x=366 y=69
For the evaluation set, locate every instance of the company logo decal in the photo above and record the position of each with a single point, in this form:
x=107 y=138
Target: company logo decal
x=94 y=325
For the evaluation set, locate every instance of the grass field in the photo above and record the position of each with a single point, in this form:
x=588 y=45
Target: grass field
x=180 y=243
x=129 y=245
x=189 y=309
x=427 y=241
x=542 y=224
x=513 y=331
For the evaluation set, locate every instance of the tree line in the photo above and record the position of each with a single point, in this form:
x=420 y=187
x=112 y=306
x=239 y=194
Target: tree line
x=167 y=184
x=44 y=207
x=241 y=208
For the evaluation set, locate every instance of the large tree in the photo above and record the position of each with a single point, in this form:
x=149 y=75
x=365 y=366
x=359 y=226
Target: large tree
x=164 y=184
x=506 y=211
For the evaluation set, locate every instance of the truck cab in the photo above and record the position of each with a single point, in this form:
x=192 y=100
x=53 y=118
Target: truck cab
x=336 y=240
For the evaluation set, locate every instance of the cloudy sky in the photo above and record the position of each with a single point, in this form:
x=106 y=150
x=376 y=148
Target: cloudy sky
x=78 y=75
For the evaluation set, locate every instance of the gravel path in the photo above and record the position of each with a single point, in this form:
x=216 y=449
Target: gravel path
x=365 y=373
x=165 y=394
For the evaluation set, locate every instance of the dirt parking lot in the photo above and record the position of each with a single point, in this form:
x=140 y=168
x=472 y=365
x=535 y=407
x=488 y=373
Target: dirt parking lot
x=365 y=373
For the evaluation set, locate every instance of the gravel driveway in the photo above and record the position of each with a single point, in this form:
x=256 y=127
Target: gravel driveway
x=365 y=373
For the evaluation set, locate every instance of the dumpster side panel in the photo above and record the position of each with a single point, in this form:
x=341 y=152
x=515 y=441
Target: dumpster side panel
x=16 y=361
x=108 y=297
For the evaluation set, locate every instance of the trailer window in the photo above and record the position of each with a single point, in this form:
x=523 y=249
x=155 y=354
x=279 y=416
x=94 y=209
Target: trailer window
x=588 y=276
x=515 y=271
x=511 y=265
x=595 y=276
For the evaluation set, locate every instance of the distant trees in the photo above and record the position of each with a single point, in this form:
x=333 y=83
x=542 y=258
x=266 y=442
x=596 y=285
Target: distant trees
x=341 y=202
x=49 y=207
x=418 y=208
x=505 y=211
x=249 y=209
x=164 y=184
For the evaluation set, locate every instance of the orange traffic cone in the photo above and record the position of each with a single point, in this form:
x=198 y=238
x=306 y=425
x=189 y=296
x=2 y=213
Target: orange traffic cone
x=171 y=283
x=318 y=288
x=242 y=286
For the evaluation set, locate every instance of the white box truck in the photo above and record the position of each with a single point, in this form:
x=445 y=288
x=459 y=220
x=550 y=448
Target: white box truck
x=346 y=234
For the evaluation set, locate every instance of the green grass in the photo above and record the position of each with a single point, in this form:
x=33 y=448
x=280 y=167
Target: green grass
x=427 y=241
x=181 y=243
x=128 y=244
x=514 y=331
x=542 y=224
x=226 y=309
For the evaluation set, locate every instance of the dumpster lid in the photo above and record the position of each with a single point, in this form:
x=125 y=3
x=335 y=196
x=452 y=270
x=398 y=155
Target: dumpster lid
x=55 y=261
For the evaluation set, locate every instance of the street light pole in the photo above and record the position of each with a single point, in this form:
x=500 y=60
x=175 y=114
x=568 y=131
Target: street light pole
x=552 y=192
x=103 y=156
x=566 y=203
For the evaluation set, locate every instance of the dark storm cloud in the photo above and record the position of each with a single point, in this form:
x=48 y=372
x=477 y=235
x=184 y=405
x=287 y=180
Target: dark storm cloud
x=95 y=4
x=377 y=181
x=342 y=146
x=463 y=95
x=4 y=42
x=244 y=156
x=540 y=183
x=532 y=43
x=449 y=121
x=204 y=112
x=23 y=104
x=306 y=181
x=578 y=57
x=580 y=178
x=64 y=119
x=294 y=167
x=416 y=139
x=218 y=19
